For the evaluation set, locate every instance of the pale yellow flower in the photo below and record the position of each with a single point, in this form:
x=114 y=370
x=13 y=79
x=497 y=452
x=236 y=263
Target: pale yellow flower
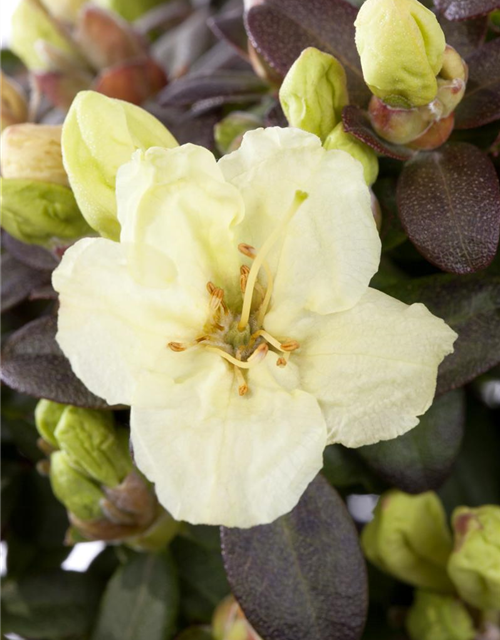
x=235 y=317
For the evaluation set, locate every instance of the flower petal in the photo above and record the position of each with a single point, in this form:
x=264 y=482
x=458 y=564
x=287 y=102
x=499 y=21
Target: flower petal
x=175 y=203
x=373 y=368
x=111 y=328
x=218 y=458
x=330 y=249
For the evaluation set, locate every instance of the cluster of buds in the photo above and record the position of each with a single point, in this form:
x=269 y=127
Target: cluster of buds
x=71 y=46
x=457 y=576
x=92 y=474
x=38 y=206
x=416 y=78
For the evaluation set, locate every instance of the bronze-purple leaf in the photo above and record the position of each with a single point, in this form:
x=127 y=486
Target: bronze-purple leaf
x=33 y=363
x=311 y=565
x=465 y=9
x=228 y=26
x=281 y=29
x=449 y=205
x=357 y=123
x=481 y=103
x=19 y=281
x=465 y=36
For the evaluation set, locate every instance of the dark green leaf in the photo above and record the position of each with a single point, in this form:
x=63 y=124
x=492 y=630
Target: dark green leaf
x=465 y=9
x=202 y=578
x=357 y=123
x=141 y=600
x=281 y=29
x=303 y=576
x=481 y=103
x=449 y=204
x=343 y=469
x=471 y=306
x=55 y=604
x=196 y=633
x=421 y=459
x=33 y=363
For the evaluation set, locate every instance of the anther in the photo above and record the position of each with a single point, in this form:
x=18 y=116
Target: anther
x=281 y=362
x=259 y=354
x=244 y=271
x=177 y=346
x=242 y=385
x=289 y=345
x=247 y=250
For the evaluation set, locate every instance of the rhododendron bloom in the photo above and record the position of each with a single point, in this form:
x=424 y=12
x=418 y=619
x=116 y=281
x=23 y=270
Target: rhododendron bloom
x=235 y=317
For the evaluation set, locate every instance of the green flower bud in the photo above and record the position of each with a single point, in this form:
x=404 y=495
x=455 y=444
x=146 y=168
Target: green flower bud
x=437 y=617
x=99 y=135
x=33 y=152
x=65 y=10
x=409 y=539
x=229 y=622
x=474 y=565
x=14 y=108
x=40 y=212
x=230 y=130
x=128 y=9
x=31 y=23
x=90 y=441
x=399 y=126
x=401 y=46
x=47 y=416
x=79 y=495
x=339 y=139
x=314 y=92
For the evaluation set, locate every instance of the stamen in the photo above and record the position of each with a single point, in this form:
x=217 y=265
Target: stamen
x=249 y=251
x=290 y=345
x=244 y=271
x=283 y=360
x=300 y=197
x=257 y=356
x=267 y=336
x=242 y=385
x=216 y=297
x=177 y=346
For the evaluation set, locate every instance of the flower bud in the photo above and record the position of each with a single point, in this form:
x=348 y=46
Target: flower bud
x=399 y=126
x=40 y=212
x=128 y=9
x=79 y=495
x=339 y=139
x=90 y=441
x=230 y=130
x=159 y=534
x=474 y=565
x=92 y=165
x=437 y=617
x=33 y=152
x=64 y=10
x=229 y=622
x=47 y=416
x=14 y=108
x=31 y=23
x=401 y=46
x=314 y=92
x=409 y=539
x=435 y=136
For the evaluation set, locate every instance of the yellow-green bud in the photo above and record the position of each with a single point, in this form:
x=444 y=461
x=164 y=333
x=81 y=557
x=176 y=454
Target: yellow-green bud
x=314 y=92
x=128 y=9
x=90 y=441
x=230 y=130
x=409 y=539
x=65 y=10
x=40 y=212
x=339 y=139
x=99 y=135
x=401 y=46
x=14 y=108
x=229 y=622
x=47 y=416
x=161 y=532
x=31 y=23
x=474 y=565
x=33 y=152
x=437 y=617
x=78 y=494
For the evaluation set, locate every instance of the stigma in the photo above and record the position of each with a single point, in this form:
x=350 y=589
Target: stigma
x=239 y=338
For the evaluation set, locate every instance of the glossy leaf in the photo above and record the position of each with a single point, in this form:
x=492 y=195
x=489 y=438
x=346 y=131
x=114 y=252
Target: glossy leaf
x=471 y=306
x=311 y=566
x=140 y=601
x=357 y=122
x=281 y=29
x=449 y=204
x=18 y=281
x=33 y=363
x=465 y=9
x=481 y=103
x=55 y=604
x=421 y=459
x=466 y=36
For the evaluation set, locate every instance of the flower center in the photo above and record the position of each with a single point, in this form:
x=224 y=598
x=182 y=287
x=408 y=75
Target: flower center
x=240 y=339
